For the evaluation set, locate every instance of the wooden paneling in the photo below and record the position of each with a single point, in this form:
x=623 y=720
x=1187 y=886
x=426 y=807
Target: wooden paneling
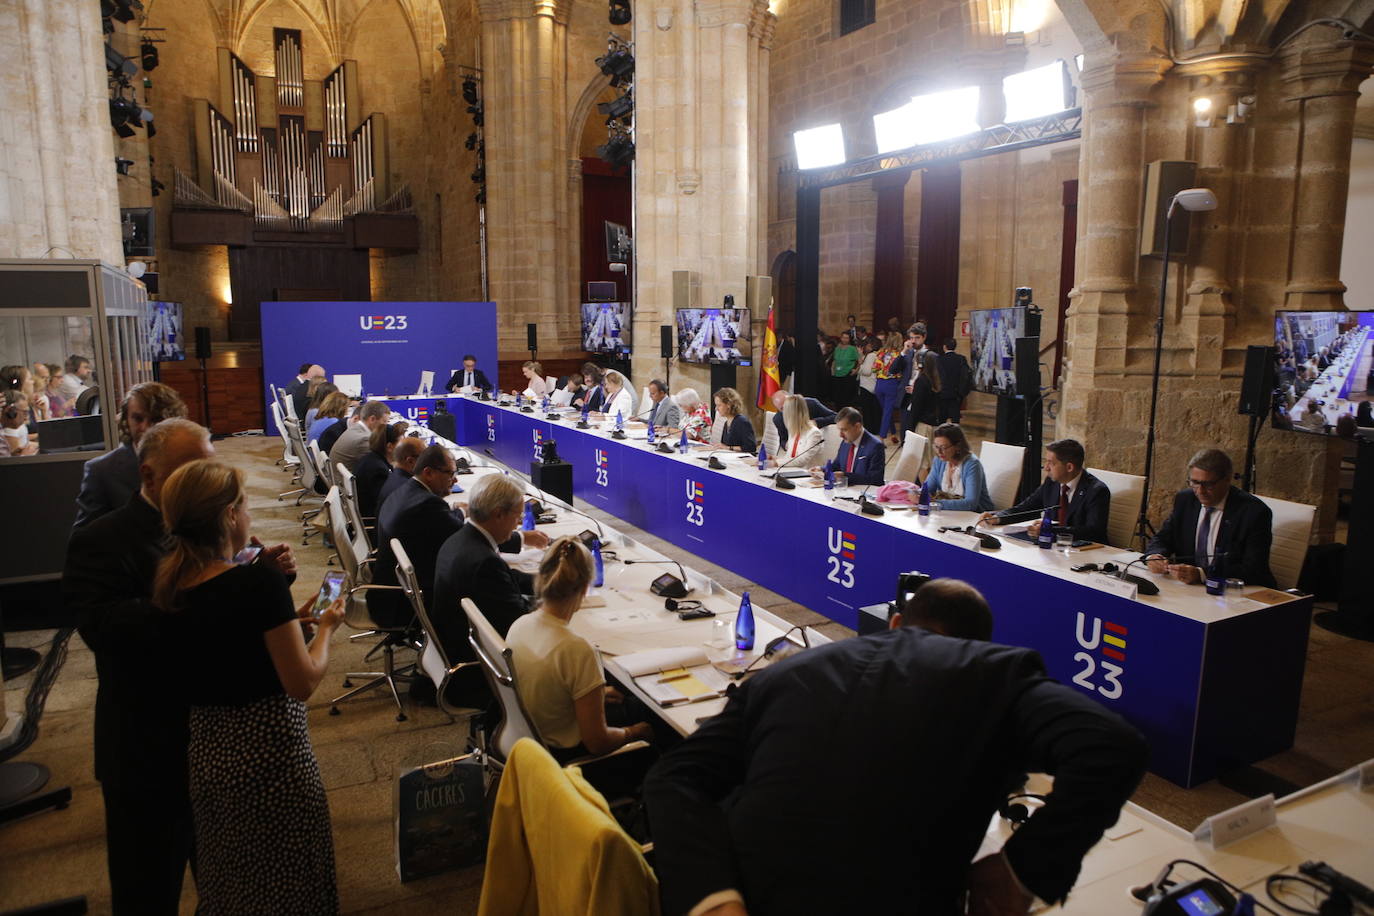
x=510 y=378
x=256 y=275
x=236 y=396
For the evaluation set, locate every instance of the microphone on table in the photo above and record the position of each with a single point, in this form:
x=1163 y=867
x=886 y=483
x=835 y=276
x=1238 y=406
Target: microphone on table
x=781 y=482
x=772 y=648
x=674 y=587
x=987 y=540
x=869 y=508
x=711 y=460
x=1014 y=517
x=1143 y=586
x=548 y=500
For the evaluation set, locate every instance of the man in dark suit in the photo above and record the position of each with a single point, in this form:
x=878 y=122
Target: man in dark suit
x=469 y=566
x=861 y=457
x=1076 y=498
x=417 y=515
x=469 y=377
x=403 y=466
x=938 y=730
x=109 y=481
x=1214 y=519
x=299 y=388
x=821 y=415
x=956 y=381
x=141 y=724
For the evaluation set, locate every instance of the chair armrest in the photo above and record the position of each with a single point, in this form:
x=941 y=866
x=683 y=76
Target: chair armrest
x=626 y=748
x=460 y=666
x=370 y=587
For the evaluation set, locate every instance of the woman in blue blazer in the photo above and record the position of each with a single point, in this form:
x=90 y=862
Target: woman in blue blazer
x=956 y=475
x=738 y=434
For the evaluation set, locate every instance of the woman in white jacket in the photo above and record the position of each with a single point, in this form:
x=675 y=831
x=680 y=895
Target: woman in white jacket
x=805 y=440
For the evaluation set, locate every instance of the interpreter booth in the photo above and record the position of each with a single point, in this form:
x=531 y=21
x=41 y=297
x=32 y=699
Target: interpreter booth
x=89 y=317
x=400 y=352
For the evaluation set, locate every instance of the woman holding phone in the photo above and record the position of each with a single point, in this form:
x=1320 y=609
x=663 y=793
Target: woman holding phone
x=263 y=838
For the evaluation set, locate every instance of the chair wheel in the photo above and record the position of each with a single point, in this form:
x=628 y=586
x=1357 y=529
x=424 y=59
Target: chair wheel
x=347 y=683
x=333 y=710
x=400 y=717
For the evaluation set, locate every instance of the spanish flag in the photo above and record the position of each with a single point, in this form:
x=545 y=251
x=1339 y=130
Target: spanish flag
x=769 y=379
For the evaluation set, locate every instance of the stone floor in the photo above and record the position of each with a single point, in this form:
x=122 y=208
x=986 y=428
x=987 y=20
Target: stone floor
x=60 y=854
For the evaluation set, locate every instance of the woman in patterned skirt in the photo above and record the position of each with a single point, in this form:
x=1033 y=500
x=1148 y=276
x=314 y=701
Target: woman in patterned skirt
x=263 y=839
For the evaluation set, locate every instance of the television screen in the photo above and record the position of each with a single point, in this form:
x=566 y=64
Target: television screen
x=606 y=327
x=994 y=348
x=164 y=331
x=1323 y=369
x=714 y=336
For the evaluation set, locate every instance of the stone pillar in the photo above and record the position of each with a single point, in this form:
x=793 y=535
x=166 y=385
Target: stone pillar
x=524 y=60
x=1111 y=172
x=1323 y=78
x=700 y=137
x=58 y=192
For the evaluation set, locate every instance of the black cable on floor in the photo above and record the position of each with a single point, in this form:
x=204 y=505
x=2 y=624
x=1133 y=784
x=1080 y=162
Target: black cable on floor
x=43 y=679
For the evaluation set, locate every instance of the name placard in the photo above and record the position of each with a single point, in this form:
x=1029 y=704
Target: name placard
x=960 y=539
x=1122 y=587
x=1238 y=822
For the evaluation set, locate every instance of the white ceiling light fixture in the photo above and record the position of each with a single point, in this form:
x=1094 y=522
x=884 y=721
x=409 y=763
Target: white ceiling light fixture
x=819 y=146
x=940 y=115
x=1035 y=93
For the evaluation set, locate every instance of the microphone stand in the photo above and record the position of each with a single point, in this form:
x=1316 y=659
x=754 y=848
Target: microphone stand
x=548 y=500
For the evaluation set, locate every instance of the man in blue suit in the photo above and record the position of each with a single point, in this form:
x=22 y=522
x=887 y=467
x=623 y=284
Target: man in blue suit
x=821 y=415
x=109 y=481
x=862 y=457
x=1075 y=498
x=469 y=377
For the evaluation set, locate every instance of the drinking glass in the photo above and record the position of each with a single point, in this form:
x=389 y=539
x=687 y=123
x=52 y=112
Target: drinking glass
x=1063 y=540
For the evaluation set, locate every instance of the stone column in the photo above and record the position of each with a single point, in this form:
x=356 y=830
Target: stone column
x=700 y=133
x=524 y=60
x=1117 y=88
x=58 y=191
x=1323 y=78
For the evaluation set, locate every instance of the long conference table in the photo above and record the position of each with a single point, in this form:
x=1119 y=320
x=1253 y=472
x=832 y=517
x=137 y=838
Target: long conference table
x=1211 y=682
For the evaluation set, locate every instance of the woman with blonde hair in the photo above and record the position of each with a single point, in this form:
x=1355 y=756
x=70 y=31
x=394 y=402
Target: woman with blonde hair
x=559 y=675
x=263 y=838
x=618 y=397
x=536 y=385
x=803 y=447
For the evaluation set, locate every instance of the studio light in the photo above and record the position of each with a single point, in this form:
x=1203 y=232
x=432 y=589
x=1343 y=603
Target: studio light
x=158 y=187
x=895 y=129
x=1035 y=93
x=149 y=54
x=941 y=115
x=617 y=109
x=124 y=10
x=618 y=64
x=119 y=66
x=469 y=90
x=1202 y=111
x=620 y=12
x=470 y=142
x=477 y=115
x=124 y=116
x=122 y=165
x=819 y=146
x=617 y=151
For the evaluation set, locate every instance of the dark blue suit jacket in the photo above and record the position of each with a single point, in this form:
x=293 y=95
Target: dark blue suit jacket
x=821 y=415
x=1088 y=510
x=107 y=483
x=479 y=378
x=1245 y=535
x=739 y=433
x=869 y=464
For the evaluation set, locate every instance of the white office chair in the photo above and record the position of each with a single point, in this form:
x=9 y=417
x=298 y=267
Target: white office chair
x=321 y=462
x=830 y=443
x=288 y=459
x=770 y=434
x=1002 y=468
x=912 y=457
x=552 y=382
x=348 y=488
x=718 y=431
x=1121 y=518
x=1292 y=532
x=495 y=658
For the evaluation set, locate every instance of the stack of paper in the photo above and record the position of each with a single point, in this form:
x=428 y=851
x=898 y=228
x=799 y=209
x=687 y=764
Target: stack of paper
x=676 y=675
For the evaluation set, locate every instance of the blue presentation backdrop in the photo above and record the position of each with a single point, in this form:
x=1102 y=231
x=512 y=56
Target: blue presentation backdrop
x=387 y=343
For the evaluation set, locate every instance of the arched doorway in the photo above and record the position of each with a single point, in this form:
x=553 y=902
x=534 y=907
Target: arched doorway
x=784 y=274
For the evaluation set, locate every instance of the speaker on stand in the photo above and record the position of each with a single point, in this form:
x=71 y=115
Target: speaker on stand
x=665 y=352
x=203 y=354
x=532 y=340
x=1256 y=399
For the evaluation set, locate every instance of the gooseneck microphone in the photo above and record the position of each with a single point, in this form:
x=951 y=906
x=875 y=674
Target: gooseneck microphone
x=675 y=588
x=782 y=483
x=548 y=500
x=711 y=460
x=771 y=649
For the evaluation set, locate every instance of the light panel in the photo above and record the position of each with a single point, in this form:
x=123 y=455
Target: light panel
x=940 y=115
x=819 y=146
x=1034 y=93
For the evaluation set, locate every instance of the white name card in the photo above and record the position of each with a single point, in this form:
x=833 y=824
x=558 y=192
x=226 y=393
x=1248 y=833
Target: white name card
x=960 y=539
x=1239 y=822
x=1123 y=587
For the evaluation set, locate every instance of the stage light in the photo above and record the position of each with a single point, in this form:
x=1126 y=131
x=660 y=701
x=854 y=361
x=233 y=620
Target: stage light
x=470 y=142
x=124 y=10
x=478 y=175
x=620 y=12
x=618 y=108
x=895 y=129
x=124 y=116
x=158 y=187
x=941 y=115
x=1035 y=93
x=619 y=64
x=477 y=115
x=1202 y=112
x=1029 y=15
x=122 y=165
x=118 y=65
x=618 y=150
x=149 y=55
x=819 y=146
x=469 y=90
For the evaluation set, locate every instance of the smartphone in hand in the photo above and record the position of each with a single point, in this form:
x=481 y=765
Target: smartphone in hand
x=330 y=589
x=247 y=555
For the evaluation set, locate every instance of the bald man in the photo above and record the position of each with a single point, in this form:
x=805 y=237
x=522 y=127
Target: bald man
x=402 y=466
x=141 y=724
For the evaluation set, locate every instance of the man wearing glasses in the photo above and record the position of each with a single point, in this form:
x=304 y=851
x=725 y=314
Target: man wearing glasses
x=1213 y=519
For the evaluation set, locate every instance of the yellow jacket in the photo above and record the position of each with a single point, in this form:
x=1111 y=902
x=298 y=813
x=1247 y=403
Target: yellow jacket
x=556 y=850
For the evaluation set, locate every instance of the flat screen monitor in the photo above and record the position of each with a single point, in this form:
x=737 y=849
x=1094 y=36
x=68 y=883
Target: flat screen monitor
x=1323 y=370
x=164 y=331
x=606 y=327
x=720 y=335
x=994 y=348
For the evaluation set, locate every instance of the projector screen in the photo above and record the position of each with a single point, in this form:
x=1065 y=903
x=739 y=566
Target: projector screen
x=714 y=336
x=994 y=348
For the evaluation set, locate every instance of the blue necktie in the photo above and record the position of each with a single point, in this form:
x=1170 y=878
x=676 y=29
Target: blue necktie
x=1200 y=556
x=653 y=413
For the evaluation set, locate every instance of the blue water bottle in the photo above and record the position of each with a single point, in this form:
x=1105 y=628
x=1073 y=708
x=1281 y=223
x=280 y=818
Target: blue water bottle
x=600 y=579
x=1045 y=541
x=830 y=475
x=527 y=524
x=651 y=434
x=545 y=404
x=744 y=624
x=1215 y=576
x=619 y=421
x=682 y=443
x=923 y=501
x=763 y=456
x=520 y=401
x=586 y=412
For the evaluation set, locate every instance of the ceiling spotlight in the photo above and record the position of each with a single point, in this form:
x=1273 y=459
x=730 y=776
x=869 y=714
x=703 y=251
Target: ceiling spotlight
x=469 y=90
x=122 y=165
x=158 y=187
x=149 y=54
x=620 y=12
x=478 y=175
x=124 y=116
x=618 y=64
x=476 y=112
x=124 y=10
x=617 y=151
x=1202 y=111
x=117 y=63
x=470 y=142
x=619 y=108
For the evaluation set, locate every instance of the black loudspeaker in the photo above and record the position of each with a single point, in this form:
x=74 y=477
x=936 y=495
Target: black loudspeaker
x=1257 y=388
x=1164 y=179
x=202 y=343
x=1028 y=367
x=532 y=337
x=665 y=341
x=554 y=479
